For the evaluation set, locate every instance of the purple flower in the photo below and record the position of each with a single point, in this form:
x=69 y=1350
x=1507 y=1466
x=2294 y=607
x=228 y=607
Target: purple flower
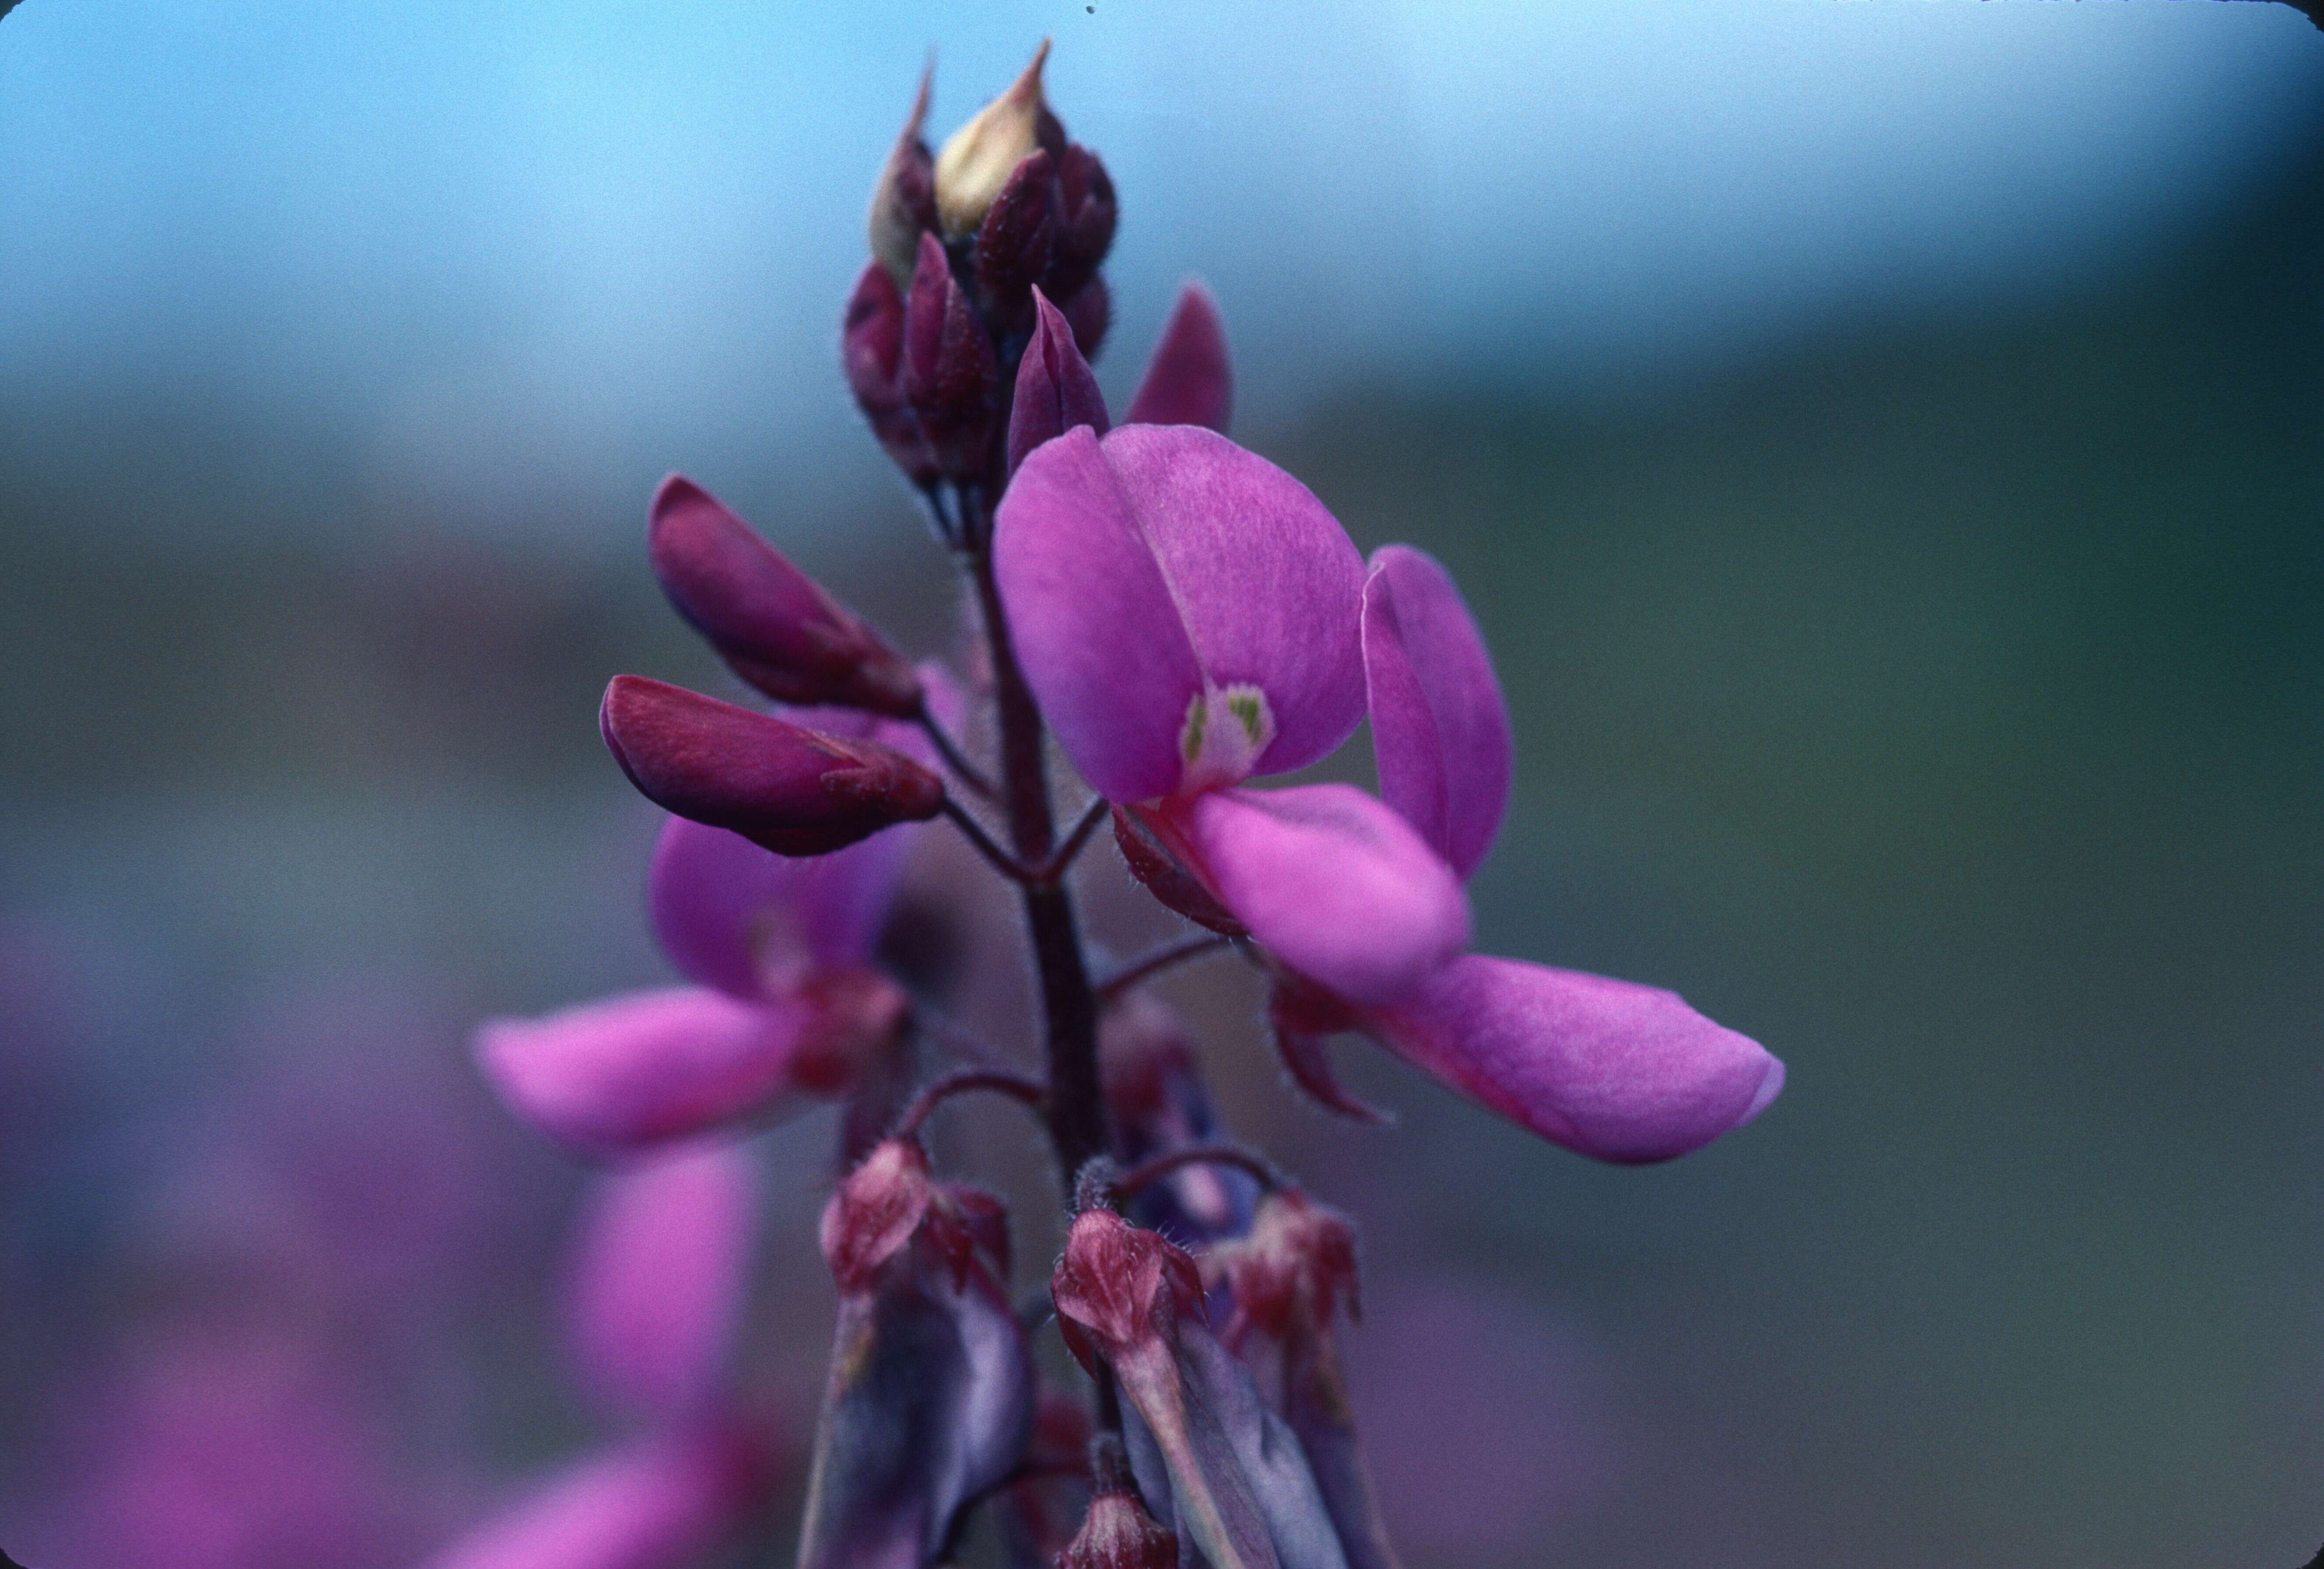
x=786 y=1003
x=1187 y=614
x=658 y=1291
x=1610 y=1069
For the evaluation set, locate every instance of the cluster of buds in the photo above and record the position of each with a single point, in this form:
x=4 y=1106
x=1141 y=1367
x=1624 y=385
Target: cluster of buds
x=1185 y=620
x=967 y=245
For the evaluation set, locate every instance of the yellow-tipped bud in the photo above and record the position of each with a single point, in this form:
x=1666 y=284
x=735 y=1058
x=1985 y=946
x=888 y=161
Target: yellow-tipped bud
x=982 y=154
x=903 y=203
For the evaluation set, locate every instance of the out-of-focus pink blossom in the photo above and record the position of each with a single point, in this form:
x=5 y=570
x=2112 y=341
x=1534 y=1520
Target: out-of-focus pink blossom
x=660 y=1273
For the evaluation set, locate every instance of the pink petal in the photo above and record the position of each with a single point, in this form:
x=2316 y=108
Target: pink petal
x=753 y=923
x=1606 y=1068
x=1095 y=627
x=643 y=1067
x=1333 y=883
x=1164 y=562
x=661 y=1276
x=1440 y=729
x=658 y=1503
x=1188 y=381
x=1055 y=389
x=1269 y=586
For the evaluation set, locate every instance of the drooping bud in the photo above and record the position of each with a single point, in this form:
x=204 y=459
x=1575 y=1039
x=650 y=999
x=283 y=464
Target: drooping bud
x=1118 y=1533
x=1087 y=213
x=1290 y=1279
x=1091 y=311
x=794 y=790
x=930 y=1402
x=980 y=156
x=1156 y=1104
x=904 y=201
x=871 y=352
x=951 y=376
x=1014 y=242
x=775 y=626
x=1188 y=381
x=1217 y=1466
x=1055 y=389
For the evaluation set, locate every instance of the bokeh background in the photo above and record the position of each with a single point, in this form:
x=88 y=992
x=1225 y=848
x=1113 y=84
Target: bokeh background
x=1883 y=443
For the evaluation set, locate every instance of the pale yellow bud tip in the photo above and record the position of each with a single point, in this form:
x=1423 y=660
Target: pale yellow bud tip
x=982 y=154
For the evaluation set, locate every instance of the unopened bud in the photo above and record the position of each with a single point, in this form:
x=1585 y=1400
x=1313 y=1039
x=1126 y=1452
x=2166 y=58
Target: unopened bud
x=1087 y=212
x=1055 y=389
x=1014 y=241
x=978 y=159
x=904 y=201
x=951 y=374
x=1118 y=1534
x=871 y=352
x=793 y=791
x=772 y=623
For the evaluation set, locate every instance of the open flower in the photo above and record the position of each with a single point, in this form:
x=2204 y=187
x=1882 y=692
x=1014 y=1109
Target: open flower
x=786 y=1003
x=1608 y=1068
x=1187 y=614
x=657 y=1293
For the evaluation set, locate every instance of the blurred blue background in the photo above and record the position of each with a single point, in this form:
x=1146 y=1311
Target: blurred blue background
x=1884 y=442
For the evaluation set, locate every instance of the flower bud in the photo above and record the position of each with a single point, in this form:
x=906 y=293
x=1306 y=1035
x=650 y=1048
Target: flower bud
x=774 y=625
x=871 y=352
x=1014 y=241
x=980 y=156
x=951 y=375
x=1086 y=215
x=1055 y=389
x=904 y=201
x=794 y=790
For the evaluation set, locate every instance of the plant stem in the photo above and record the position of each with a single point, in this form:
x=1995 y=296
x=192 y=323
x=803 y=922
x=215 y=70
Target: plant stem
x=1076 y=1112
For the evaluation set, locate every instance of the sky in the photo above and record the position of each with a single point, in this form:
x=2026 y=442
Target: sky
x=529 y=245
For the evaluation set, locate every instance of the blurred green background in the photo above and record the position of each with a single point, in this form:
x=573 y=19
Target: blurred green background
x=1930 y=684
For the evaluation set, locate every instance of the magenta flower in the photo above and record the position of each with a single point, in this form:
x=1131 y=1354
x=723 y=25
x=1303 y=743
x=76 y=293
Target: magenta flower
x=1610 y=1069
x=1187 y=614
x=785 y=1005
x=656 y=1293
